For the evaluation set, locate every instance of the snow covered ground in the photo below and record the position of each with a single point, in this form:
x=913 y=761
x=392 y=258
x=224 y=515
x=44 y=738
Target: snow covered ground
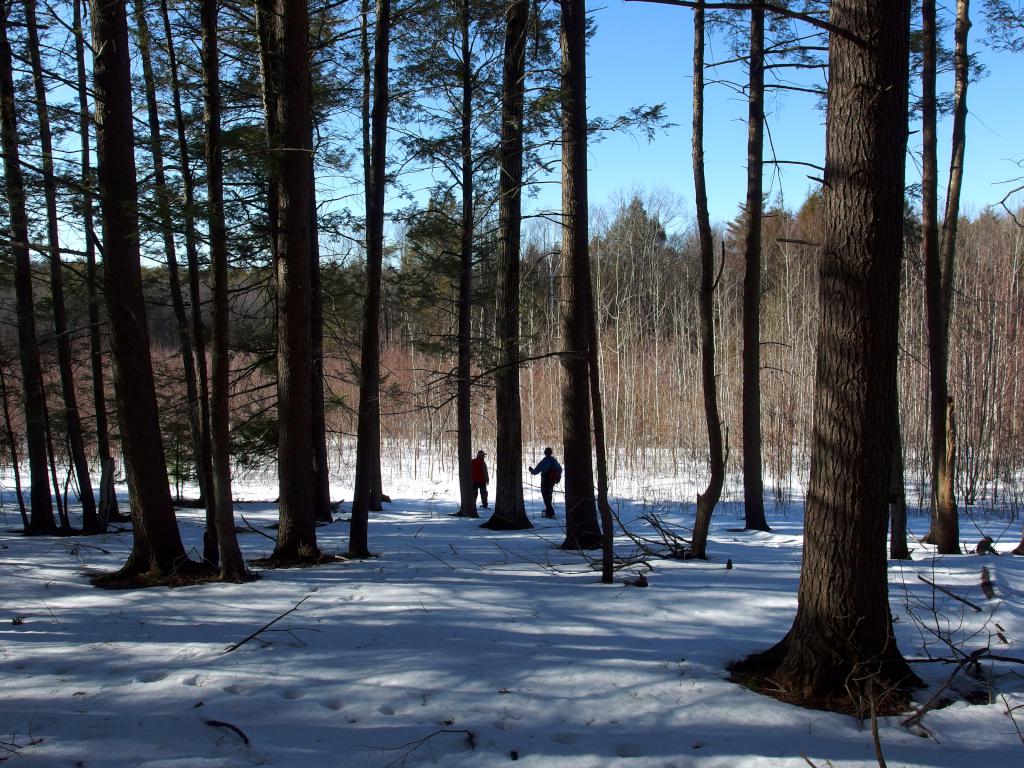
x=464 y=647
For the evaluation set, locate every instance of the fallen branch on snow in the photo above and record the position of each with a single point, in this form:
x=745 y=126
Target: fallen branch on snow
x=266 y=626
x=230 y=727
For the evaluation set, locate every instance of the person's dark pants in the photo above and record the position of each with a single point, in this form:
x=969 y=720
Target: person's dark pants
x=545 y=492
x=482 y=489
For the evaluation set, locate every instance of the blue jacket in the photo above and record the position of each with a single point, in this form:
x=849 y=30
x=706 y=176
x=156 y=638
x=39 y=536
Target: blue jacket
x=548 y=462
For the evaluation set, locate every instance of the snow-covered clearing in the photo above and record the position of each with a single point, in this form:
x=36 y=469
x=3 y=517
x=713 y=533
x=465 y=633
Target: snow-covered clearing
x=465 y=647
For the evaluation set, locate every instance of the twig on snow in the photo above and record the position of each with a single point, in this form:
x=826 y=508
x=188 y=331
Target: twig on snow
x=412 y=746
x=269 y=624
x=440 y=560
x=230 y=727
x=949 y=592
x=254 y=529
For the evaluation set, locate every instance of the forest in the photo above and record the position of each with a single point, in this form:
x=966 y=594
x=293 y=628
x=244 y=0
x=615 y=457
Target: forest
x=282 y=269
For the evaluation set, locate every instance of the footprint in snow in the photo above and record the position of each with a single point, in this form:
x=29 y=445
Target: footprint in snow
x=387 y=709
x=335 y=704
x=629 y=749
x=291 y=694
x=565 y=738
x=235 y=689
x=150 y=677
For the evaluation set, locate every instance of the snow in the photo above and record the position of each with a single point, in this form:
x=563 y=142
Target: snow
x=464 y=647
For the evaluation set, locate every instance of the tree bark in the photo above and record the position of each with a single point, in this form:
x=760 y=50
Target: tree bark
x=318 y=429
x=232 y=567
x=296 y=535
x=582 y=530
x=12 y=446
x=947 y=535
x=72 y=418
x=376 y=491
x=157 y=550
x=269 y=63
x=753 y=484
x=62 y=511
x=898 y=549
x=108 y=500
x=509 y=507
x=840 y=652
x=41 y=519
x=195 y=291
x=203 y=473
x=464 y=428
x=368 y=434
x=706 y=501
x=930 y=251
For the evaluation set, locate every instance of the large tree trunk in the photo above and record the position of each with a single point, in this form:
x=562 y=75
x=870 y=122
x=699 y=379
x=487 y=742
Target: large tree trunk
x=173 y=278
x=464 y=438
x=41 y=505
x=509 y=507
x=930 y=250
x=940 y=262
x=108 y=500
x=705 y=501
x=232 y=567
x=947 y=537
x=72 y=418
x=195 y=292
x=753 y=485
x=374 y=429
x=368 y=431
x=296 y=535
x=840 y=652
x=269 y=63
x=582 y=530
x=157 y=550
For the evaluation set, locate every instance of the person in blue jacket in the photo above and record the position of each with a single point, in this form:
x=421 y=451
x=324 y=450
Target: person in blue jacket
x=550 y=472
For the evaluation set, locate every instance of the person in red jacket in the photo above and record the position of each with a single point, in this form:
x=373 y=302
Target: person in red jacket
x=480 y=477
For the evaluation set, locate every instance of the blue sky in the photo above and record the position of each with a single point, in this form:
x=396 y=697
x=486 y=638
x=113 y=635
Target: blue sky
x=642 y=54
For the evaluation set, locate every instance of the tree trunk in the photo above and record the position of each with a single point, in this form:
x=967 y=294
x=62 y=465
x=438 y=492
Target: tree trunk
x=603 y=506
x=108 y=500
x=72 y=418
x=41 y=505
x=318 y=429
x=930 y=246
x=376 y=492
x=269 y=63
x=582 y=530
x=232 y=567
x=753 y=484
x=368 y=434
x=947 y=535
x=897 y=491
x=173 y=278
x=12 y=446
x=296 y=535
x=705 y=501
x=62 y=510
x=840 y=652
x=157 y=550
x=195 y=291
x=509 y=507
x=464 y=440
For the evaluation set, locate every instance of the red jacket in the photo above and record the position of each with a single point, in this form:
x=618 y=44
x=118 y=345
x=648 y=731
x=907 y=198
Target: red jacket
x=479 y=467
